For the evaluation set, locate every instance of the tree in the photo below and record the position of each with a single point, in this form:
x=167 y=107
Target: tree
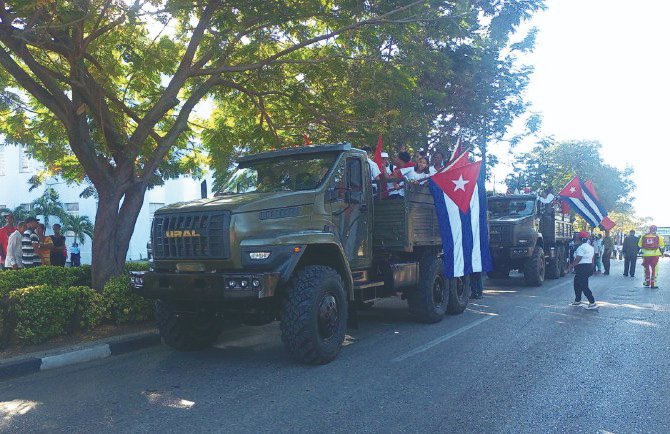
x=107 y=88
x=48 y=205
x=81 y=226
x=552 y=164
x=20 y=212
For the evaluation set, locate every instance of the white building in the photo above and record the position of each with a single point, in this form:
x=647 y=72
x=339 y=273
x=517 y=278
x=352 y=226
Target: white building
x=16 y=168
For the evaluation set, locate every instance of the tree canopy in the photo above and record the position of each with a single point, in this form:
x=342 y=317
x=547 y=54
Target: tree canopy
x=125 y=94
x=552 y=164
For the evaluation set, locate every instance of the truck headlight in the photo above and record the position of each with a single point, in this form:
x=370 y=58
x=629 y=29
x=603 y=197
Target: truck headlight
x=259 y=255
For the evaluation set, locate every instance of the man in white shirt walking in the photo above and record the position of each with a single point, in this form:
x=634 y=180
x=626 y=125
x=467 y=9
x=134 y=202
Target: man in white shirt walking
x=583 y=265
x=13 y=260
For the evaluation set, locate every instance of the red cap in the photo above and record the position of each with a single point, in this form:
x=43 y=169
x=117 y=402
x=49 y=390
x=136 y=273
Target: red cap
x=583 y=234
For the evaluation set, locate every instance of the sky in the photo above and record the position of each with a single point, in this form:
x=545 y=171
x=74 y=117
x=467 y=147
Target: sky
x=602 y=72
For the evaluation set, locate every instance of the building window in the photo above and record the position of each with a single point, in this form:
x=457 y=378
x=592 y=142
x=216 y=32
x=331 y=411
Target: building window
x=153 y=206
x=25 y=206
x=25 y=163
x=72 y=207
x=3 y=207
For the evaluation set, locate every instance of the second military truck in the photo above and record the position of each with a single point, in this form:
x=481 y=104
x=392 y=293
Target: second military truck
x=528 y=236
x=296 y=235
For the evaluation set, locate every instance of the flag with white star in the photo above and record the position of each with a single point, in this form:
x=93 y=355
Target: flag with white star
x=460 y=204
x=585 y=202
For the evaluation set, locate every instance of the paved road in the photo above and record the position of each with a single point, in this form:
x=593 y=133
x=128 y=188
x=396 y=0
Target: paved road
x=521 y=360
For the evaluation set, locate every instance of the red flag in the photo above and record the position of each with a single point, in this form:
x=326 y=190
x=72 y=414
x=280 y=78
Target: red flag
x=592 y=189
x=378 y=154
x=305 y=139
x=607 y=223
x=459 y=183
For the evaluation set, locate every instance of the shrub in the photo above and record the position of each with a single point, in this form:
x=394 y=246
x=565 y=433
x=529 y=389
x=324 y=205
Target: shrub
x=137 y=266
x=121 y=305
x=41 y=312
x=89 y=307
x=60 y=276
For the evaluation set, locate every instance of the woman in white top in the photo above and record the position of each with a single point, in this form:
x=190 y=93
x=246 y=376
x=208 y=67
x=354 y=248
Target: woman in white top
x=583 y=265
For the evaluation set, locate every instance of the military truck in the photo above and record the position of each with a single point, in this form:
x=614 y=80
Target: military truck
x=528 y=236
x=296 y=235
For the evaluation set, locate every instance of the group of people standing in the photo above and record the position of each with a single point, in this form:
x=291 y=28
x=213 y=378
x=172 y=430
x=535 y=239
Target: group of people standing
x=26 y=245
x=403 y=169
x=585 y=261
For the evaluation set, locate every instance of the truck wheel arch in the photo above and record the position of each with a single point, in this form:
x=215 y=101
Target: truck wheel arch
x=330 y=255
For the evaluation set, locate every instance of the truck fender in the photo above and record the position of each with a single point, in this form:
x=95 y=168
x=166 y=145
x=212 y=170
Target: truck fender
x=330 y=254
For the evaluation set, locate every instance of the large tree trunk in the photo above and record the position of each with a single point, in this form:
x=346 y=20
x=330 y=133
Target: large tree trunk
x=114 y=225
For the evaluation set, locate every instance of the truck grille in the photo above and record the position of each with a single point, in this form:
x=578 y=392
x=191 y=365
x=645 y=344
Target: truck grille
x=499 y=234
x=191 y=235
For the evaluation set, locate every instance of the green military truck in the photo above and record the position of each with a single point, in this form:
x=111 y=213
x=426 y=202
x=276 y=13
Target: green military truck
x=296 y=235
x=528 y=236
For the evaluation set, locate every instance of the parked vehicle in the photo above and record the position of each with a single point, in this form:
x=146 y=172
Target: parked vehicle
x=528 y=236
x=295 y=235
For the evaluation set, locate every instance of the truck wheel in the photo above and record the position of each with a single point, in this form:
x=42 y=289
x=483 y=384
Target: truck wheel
x=459 y=294
x=563 y=260
x=553 y=270
x=186 y=332
x=314 y=315
x=533 y=271
x=428 y=301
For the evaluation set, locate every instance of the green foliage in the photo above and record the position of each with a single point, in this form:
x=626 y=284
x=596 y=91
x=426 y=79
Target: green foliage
x=60 y=276
x=137 y=266
x=48 y=205
x=113 y=102
x=41 y=312
x=555 y=164
x=89 y=307
x=81 y=226
x=121 y=305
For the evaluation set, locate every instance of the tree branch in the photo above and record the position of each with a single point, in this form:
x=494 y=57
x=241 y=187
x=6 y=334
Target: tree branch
x=168 y=99
x=305 y=43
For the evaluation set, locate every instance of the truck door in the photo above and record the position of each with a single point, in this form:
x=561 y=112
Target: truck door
x=351 y=210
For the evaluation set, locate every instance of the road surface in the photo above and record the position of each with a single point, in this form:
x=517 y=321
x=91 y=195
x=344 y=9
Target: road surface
x=520 y=360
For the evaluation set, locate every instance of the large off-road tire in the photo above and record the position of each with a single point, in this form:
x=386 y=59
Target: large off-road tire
x=185 y=331
x=459 y=294
x=553 y=270
x=428 y=301
x=314 y=315
x=533 y=271
x=563 y=270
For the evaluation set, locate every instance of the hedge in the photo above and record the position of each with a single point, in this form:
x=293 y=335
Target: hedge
x=44 y=302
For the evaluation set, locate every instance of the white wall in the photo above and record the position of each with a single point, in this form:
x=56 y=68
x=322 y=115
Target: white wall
x=14 y=192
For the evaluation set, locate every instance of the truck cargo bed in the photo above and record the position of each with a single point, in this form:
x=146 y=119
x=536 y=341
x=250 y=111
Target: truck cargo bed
x=403 y=224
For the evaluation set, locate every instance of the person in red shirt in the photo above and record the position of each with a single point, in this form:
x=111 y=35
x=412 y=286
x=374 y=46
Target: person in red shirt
x=5 y=232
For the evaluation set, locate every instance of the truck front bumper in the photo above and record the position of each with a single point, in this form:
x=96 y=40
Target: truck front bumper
x=204 y=286
x=514 y=252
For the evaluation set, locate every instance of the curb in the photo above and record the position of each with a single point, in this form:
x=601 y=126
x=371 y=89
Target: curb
x=123 y=345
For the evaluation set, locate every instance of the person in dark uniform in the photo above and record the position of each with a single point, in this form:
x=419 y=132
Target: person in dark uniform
x=630 y=249
x=58 y=250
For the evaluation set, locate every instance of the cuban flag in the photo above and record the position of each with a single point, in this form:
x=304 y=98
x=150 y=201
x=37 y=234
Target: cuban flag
x=583 y=199
x=460 y=204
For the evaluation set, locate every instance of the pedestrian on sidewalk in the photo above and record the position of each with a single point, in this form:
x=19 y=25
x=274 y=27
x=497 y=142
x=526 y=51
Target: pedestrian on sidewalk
x=608 y=248
x=583 y=265
x=652 y=247
x=13 y=260
x=630 y=249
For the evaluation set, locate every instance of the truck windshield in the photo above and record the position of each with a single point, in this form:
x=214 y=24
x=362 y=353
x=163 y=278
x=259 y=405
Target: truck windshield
x=290 y=173
x=511 y=208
